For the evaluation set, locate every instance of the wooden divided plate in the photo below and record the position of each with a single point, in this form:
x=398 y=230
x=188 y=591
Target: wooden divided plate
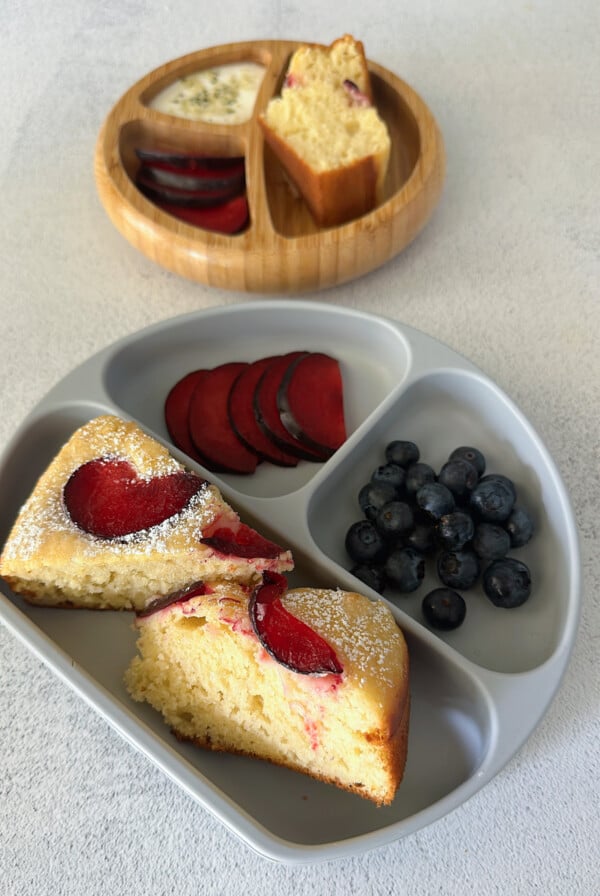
x=280 y=249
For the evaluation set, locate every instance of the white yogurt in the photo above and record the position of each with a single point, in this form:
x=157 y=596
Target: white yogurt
x=224 y=94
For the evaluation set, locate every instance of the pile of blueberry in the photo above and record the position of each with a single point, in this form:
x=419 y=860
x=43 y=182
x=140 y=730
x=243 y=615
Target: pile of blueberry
x=465 y=520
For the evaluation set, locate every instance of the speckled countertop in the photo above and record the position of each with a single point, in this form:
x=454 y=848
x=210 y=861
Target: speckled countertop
x=507 y=273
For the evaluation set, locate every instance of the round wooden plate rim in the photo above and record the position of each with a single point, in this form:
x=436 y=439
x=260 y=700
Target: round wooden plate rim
x=252 y=260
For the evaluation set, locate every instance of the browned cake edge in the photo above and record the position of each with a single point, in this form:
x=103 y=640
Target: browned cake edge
x=394 y=755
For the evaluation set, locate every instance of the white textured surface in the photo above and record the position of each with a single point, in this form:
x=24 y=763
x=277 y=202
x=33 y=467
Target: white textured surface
x=508 y=273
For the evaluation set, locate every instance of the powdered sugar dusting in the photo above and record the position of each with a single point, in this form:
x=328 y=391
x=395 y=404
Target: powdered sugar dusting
x=45 y=516
x=364 y=632
x=41 y=517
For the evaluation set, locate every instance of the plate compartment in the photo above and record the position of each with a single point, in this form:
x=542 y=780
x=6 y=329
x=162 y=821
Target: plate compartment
x=281 y=250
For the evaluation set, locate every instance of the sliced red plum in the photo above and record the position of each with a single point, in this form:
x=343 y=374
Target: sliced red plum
x=229 y=217
x=240 y=540
x=186 y=161
x=208 y=179
x=192 y=197
x=310 y=400
x=106 y=498
x=176 y=409
x=243 y=419
x=175 y=597
x=210 y=429
x=286 y=638
x=267 y=411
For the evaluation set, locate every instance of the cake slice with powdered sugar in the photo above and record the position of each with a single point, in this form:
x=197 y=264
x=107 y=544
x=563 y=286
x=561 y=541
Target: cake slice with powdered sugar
x=116 y=520
x=322 y=688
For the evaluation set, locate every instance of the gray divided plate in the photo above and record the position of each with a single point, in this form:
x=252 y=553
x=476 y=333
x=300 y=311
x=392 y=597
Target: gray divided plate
x=477 y=693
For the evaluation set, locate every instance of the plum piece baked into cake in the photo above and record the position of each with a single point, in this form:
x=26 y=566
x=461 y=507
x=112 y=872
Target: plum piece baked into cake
x=327 y=133
x=116 y=520
x=314 y=680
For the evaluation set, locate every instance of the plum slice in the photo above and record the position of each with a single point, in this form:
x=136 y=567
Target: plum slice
x=240 y=540
x=106 y=498
x=191 y=196
x=243 y=420
x=186 y=161
x=357 y=97
x=285 y=637
x=232 y=177
x=228 y=217
x=177 y=406
x=267 y=411
x=175 y=597
x=310 y=402
x=210 y=430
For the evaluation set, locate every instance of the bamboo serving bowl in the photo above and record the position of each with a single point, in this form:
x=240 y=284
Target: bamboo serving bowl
x=281 y=250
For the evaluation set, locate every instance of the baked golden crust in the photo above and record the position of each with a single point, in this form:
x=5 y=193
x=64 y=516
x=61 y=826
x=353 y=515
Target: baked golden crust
x=334 y=150
x=393 y=755
x=334 y=196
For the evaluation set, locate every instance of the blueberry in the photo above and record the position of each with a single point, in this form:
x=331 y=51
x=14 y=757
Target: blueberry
x=364 y=543
x=507 y=583
x=372 y=575
x=418 y=474
x=373 y=496
x=472 y=455
x=506 y=482
x=394 y=519
x=421 y=538
x=453 y=530
x=444 y=609
x=458 y=569
x=405 y=569
x=459 y=476
x=519 y=526
x=393 y=474
x=491 y=542
x=435 y=499
x=493 y=499
x=402 y=453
